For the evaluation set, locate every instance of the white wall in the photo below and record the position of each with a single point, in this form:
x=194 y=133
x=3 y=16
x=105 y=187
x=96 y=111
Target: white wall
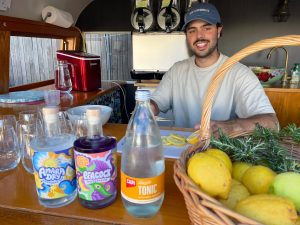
x=32 y=9
x=248 y=21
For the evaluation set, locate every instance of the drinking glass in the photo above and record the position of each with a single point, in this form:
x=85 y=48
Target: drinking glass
x=28 y=115
x=66 y=126
x=80 y=128
x=8 y=120
x=27 y=131
x=9 y=148
x=63 y=80
x=52 y=97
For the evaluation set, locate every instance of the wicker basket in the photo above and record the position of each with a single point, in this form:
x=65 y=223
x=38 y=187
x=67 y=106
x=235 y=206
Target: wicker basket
x=203 y=209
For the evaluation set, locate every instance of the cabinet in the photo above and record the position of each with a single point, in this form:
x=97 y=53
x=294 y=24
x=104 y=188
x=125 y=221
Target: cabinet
x=286 y=103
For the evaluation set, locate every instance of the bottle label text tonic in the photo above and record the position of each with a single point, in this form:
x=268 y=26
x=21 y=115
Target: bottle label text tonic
x=142 y=190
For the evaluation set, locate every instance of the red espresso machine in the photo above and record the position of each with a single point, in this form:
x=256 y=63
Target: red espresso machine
x=86 y=75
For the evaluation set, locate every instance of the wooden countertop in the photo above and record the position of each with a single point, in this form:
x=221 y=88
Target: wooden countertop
x=74 y=99
x=19 y=204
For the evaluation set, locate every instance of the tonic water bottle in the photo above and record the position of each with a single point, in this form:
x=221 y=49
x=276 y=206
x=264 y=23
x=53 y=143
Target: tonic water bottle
x=142 y=165
x=95 y=160
x=53 y=162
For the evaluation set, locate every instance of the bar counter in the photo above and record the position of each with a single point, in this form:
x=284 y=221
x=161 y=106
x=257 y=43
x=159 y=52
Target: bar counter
x=19 y=204
x=66 y=100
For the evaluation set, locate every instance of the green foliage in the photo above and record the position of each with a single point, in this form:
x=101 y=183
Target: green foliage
x=261 y=148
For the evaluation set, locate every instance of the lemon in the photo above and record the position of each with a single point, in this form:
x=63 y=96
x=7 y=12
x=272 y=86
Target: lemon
x=237 y=193
x=220 y=155
x=193 y=138
x=298 y=221
x=211 y=174
x=238 y=170
x=258 y=179
x=175 y=141
x=164 y=140
x=268 y=209
x=178 y=137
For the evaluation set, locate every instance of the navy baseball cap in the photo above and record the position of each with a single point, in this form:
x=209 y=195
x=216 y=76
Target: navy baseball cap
x=202 y=11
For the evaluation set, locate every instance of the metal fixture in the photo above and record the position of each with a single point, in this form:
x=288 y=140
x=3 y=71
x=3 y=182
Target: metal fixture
x=282 y=12
x=285 y=76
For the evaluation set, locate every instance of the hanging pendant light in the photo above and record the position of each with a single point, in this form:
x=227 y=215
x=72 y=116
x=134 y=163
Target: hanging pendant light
x=282 y=12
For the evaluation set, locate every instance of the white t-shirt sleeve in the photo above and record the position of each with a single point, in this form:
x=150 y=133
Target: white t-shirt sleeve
x=250 y=97
x=163 y=93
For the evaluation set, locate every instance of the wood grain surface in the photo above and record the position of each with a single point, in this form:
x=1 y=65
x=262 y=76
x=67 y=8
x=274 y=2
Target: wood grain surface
x=19 y=203
x=76 y=98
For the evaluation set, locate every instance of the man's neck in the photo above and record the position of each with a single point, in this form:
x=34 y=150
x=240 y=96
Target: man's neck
x=207 y=61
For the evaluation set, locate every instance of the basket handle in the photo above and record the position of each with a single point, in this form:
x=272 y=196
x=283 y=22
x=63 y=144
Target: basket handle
x=288 y=40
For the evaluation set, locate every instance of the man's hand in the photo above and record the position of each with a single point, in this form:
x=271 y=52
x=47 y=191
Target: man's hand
x=243 y=125
x=154 y=107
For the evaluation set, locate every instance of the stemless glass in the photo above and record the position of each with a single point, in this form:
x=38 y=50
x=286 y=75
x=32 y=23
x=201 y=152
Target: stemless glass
x=9 y=120
x=65 y=122
x=80 y=128
x=28 y=115
x=9 y=148
x=27 y=131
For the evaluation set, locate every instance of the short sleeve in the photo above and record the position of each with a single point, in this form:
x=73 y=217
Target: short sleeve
x=163 y=93
x=250 y=97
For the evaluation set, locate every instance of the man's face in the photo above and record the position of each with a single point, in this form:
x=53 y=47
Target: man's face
x=202 y=38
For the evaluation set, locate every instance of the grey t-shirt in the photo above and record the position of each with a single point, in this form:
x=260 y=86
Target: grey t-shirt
x=184 y=87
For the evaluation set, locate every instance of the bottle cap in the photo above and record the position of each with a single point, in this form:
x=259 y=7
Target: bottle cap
x=93 y=115
x=50 y=113
x=142 y=95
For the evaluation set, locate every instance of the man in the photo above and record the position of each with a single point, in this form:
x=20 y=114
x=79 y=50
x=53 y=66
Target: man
x=240 y=102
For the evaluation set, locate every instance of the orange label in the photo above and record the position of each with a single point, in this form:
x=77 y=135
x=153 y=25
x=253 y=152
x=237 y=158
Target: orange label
x=142 y=190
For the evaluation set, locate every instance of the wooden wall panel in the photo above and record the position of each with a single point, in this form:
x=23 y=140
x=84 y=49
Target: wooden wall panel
x=286 y=105
x=10 y=26
x=4 y=61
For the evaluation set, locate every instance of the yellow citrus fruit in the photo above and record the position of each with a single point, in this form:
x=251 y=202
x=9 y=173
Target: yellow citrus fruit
x=258 y=179
x=193 y=138
x=164 y=140
x=298 y=221
x=210 y=174
x=175 y=141
x=220 y=155
x=178 y=137
x=268 y=209
x=238 y=170
x=237 y=193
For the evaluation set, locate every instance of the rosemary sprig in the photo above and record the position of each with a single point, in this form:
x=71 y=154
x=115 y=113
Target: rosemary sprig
x=243 y=149
x=292 y=131
x=261 y=148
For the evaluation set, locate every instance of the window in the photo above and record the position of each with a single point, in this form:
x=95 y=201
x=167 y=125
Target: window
x=11 y=27
x=32 y=59
x=115 y=51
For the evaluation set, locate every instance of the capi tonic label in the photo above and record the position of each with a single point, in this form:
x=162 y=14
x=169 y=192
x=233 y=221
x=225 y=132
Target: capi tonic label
x=54 y=173
x=96 y=175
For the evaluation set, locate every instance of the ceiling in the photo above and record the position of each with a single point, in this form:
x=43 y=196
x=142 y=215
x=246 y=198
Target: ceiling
x=32 y=9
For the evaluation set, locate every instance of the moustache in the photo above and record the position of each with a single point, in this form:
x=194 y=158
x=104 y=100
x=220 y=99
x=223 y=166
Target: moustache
x=200 y=40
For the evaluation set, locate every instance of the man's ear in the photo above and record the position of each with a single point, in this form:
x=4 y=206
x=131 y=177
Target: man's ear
x=220 y=29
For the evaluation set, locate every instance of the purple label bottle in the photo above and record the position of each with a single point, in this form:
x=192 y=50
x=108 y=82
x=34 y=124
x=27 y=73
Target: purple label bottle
x=95 y=162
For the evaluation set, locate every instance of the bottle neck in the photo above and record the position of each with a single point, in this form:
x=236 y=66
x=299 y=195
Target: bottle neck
x=94 y=130
x=52 y=128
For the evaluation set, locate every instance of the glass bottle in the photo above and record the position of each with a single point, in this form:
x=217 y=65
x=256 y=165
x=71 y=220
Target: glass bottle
x=53 y=162
x=142 y=165
x=95 y=160
x=295 y=73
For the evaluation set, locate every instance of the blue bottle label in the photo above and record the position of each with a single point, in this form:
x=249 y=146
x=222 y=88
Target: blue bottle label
x=96 y=175
x=54 y=173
